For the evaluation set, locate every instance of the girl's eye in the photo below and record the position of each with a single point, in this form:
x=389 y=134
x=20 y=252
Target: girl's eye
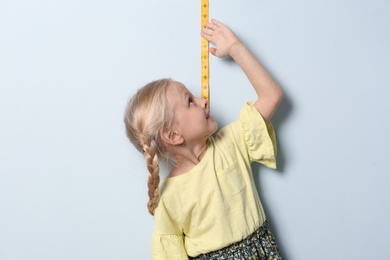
x=190 y=101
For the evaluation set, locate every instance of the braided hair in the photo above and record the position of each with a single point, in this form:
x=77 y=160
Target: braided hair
x=147 y=114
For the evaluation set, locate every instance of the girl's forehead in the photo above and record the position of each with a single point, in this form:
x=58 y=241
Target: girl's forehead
x=180 y=86
x=178 y=93
x=179 y=89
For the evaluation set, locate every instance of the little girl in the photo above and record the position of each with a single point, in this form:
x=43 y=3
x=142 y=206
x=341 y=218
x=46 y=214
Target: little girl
x=208 y=206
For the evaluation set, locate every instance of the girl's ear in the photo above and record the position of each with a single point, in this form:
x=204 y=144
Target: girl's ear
x=171 y=137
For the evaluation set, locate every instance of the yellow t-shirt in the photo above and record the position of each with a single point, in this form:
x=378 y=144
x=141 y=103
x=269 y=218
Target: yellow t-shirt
x=216 y=203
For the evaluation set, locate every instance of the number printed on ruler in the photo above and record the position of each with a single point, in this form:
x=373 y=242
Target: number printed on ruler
x=205 y=91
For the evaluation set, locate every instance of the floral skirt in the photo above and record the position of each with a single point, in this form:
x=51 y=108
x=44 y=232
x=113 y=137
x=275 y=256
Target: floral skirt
x=260 y=245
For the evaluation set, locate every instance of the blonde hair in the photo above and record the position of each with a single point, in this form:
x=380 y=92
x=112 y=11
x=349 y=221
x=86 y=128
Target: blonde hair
x=147 y=114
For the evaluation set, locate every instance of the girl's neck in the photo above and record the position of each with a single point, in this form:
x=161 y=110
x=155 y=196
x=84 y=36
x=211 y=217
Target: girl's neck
x=186 y=161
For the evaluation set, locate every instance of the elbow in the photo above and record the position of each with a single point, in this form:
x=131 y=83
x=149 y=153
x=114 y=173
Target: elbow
x=278 y=92
x=276 y=97
x=268 y=101
x=279 y=96
x=268 y=105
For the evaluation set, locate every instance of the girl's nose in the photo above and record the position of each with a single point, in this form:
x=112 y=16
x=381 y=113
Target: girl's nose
x=202 y=102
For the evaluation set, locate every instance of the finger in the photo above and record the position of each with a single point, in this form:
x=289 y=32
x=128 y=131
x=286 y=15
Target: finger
x=209 y=25
x=207 y=31
x=216 y=22
x=206 y=36
x=213 y=51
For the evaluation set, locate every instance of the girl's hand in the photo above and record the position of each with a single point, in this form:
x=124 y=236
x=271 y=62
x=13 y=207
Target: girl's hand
x=221 y=36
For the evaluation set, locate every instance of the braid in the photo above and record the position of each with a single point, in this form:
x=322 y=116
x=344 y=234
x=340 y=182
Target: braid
x=147 y=114
x=151 y=159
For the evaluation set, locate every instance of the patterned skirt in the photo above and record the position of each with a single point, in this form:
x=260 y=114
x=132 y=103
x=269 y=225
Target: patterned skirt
x=260 y=245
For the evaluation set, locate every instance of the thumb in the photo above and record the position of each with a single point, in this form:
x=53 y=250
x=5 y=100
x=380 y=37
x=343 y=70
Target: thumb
x=213 y=51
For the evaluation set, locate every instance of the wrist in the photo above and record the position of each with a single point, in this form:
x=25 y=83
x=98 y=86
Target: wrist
x=236 y=49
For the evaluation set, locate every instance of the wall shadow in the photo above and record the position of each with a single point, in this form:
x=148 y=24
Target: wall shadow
x=278 y=120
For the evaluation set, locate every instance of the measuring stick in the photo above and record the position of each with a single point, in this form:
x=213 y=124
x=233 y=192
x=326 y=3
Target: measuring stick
x=205 y=88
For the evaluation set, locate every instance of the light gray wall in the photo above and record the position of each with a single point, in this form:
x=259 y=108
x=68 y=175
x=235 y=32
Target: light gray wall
x=72 y=187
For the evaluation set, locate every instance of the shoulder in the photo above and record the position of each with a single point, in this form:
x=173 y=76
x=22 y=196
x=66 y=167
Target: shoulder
x=248 y=117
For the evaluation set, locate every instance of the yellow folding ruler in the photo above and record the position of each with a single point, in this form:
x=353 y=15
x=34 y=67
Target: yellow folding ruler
x=205 y=91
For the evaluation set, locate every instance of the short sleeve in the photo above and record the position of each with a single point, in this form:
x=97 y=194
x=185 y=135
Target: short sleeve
x=167 y=239
x=259 y=136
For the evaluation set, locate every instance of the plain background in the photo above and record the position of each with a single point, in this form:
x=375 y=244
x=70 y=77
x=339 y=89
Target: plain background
x=72 y=186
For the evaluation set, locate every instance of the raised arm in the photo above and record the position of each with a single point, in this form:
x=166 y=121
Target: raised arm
x=269 y=94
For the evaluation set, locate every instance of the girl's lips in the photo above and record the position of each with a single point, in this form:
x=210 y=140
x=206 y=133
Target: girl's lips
x=208 y=116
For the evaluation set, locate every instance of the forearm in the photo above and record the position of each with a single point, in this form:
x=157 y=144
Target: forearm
x=269 y=94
